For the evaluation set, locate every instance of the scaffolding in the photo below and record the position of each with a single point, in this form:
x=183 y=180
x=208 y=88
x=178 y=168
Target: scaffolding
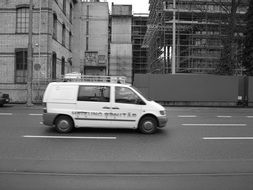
x=139 y=28
x=200 y=27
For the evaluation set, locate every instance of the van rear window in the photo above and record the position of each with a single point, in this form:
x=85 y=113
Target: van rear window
x=94 y=93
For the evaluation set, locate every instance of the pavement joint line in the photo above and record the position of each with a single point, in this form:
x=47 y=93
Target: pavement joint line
x=70 y=137
x=215 y=124
x=227 y=138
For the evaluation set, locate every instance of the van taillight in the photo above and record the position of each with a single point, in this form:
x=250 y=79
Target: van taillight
x=44 y=107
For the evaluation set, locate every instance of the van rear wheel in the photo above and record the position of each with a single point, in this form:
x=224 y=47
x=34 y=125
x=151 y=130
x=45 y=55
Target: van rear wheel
x=64 y=124
x=148 y=125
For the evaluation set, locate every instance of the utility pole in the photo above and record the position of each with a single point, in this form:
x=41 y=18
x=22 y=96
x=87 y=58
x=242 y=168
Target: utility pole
x=173 y=65
x=30 y=57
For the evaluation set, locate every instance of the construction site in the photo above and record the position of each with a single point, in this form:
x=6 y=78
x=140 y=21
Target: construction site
x=188 y=34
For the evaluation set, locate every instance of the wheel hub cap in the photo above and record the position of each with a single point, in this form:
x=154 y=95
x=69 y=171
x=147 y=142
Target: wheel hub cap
x=148 y=126
x=64 y=125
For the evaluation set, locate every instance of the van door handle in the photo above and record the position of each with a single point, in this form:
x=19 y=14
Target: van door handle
x=106 y=107
x=115 y=108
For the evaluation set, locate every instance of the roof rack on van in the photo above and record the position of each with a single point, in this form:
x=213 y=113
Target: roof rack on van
x=74 y=77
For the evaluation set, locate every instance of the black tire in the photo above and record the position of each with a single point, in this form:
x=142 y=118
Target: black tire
x=148 y=125
x=64 y=124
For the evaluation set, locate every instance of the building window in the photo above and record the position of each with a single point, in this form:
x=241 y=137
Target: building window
x=70 y=41
x=22 y=23
x=87 y=27
x=87 y=43
x=70 y=13
x=62 y=66
x=54 y=60
x=21 y=65
x=64 y=6
x=55 y=27
x=63 y=34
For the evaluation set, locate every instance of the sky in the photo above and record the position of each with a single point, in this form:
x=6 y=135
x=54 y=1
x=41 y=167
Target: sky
x=138 y=6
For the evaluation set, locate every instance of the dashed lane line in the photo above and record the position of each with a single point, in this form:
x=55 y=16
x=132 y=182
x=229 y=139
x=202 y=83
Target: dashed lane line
x=5 y=113
x=215 y=124
x=227 y=138
x=187 y=116
x=224 y=116
x=35 y=114
x=70 y=137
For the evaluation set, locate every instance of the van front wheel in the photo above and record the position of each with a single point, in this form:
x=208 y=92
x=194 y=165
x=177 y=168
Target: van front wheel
x=64 y=124
x=148 y=125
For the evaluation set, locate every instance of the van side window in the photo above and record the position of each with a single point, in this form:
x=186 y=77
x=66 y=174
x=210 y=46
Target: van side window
x=126 y=95
x=94 y=93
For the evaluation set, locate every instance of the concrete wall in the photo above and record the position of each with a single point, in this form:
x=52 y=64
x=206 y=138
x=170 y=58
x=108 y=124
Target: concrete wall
x=92 y=33
x=121 y=61
x=190 y=89
x=124 y=10
x=121 y=29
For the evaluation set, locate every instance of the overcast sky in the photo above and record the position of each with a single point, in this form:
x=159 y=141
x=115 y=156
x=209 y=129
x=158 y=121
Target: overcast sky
x=139 y=6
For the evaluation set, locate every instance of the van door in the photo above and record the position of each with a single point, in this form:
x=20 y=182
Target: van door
x=127 y=108
x=93 y=105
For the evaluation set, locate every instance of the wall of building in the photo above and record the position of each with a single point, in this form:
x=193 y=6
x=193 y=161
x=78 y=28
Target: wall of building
x=121 y=41
x=121 y=58
x=42 y=42
x=91 y=45
x=121 y=29
x=56 y=45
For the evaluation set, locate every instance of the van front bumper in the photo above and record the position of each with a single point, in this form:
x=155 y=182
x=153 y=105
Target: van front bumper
x=48 y=118
x=162 y=120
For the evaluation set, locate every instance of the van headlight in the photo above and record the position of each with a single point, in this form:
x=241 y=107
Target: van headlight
x=162 y=112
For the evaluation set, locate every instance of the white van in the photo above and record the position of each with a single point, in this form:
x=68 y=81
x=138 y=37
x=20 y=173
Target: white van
x=103 y=103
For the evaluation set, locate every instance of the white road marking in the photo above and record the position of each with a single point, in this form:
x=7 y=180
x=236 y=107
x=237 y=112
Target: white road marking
x=224 y=116
x=69 y=137
x=5 y=113
x=215 y=124
x=249 y=116
x=35 y=114
x=227 y=138
x=41 y=123
x=186 y=116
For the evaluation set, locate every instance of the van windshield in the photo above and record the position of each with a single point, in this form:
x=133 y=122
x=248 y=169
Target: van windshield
x=141 y=93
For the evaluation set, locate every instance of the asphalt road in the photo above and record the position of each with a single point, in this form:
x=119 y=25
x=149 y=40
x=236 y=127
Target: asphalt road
x=200 y=148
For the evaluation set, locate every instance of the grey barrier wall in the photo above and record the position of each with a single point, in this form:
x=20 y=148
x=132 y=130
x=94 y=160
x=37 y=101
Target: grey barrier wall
x=250 y=91
x=189 y=89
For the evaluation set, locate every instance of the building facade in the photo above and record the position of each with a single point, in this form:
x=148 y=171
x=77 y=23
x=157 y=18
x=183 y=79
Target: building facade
x=140 y=55
x=51 y=43
x=200 y=29
x=121 y=42
x=91 y=43
x=67 y=36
